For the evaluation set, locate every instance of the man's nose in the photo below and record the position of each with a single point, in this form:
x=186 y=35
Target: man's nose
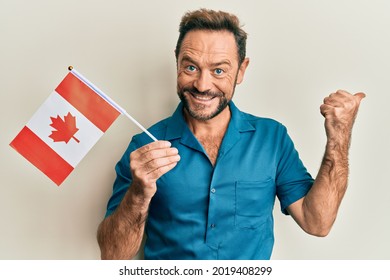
x=203 y=82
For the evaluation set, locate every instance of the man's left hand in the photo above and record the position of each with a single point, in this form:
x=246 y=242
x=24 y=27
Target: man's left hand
x=340 y=109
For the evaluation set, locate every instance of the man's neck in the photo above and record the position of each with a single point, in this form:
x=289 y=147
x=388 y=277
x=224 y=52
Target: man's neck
x=210 y=133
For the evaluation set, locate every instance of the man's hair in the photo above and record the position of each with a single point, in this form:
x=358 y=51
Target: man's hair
x=204 y=19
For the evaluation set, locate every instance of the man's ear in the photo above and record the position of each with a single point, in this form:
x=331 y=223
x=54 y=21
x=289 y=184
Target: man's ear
x=241 y=70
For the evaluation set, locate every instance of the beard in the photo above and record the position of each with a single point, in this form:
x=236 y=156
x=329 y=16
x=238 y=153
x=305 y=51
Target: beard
x=197 y=112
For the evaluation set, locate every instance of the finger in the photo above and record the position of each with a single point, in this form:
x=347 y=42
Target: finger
x=333 y=101
x=152 y=168
x=346 y=94
x=158 y=153
x=359 y=96
x=325 y=109
x=149 y=147
x=146 y=171
x=155 y=145
x=153 y=159
x=342 y=92
x=340 y=98
x=329 y=111
x=162 y=170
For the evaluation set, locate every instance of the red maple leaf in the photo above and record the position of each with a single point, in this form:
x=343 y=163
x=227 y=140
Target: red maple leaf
x=65 y=129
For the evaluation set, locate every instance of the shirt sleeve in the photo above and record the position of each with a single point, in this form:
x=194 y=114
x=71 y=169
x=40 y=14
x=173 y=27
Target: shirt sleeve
x=293 y=181
x=123 y=179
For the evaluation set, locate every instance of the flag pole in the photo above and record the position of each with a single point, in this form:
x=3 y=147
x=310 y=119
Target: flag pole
x=110 y=101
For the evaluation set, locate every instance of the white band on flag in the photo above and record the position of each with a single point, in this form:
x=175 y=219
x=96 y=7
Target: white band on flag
x=110 y=101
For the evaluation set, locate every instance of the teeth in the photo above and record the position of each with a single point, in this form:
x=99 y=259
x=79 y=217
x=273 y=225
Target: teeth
x=203 y=97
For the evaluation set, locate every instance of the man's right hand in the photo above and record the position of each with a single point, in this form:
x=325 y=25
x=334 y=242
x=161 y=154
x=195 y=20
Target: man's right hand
x=120 y=234
x=149 y=163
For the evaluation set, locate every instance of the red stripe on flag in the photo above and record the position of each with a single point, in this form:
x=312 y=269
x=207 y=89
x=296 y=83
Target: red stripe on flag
x=87 y=101
x=29 y=145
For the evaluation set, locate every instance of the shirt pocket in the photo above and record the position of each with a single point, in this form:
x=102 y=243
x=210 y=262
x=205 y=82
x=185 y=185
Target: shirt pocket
x=254 y=203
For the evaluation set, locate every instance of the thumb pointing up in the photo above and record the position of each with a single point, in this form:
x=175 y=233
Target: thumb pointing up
x=359 y=96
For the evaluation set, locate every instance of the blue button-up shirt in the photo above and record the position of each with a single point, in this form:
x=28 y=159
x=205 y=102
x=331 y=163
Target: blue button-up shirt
x=201 y=211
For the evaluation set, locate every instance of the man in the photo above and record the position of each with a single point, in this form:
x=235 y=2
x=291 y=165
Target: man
x=207 y=189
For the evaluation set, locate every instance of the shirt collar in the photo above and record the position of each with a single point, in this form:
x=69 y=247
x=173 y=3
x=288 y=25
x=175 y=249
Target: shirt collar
x=176 y=124
x=238 y=120
x=238 y=124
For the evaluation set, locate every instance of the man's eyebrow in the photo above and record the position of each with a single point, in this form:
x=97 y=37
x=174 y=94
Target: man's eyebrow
x=187 y=58
x=223 y=62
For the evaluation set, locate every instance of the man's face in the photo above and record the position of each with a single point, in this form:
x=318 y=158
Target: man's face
x=207 y=72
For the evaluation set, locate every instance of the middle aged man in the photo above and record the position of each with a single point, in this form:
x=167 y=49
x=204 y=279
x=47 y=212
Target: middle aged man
x=207 y=189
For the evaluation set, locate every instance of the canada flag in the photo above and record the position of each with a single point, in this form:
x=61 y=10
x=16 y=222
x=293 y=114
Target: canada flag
x=65 y=128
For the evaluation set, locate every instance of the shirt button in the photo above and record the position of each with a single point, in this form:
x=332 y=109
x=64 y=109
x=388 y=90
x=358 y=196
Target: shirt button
x=213 y=190
x=212 y=225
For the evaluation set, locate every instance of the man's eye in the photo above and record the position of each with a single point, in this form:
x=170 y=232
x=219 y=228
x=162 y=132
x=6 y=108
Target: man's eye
x=218 y=71
x=191 y=68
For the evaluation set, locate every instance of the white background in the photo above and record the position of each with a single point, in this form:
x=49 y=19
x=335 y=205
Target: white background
x=300 y=51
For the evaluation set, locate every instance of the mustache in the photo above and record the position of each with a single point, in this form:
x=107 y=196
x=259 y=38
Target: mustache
x=209 y=93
